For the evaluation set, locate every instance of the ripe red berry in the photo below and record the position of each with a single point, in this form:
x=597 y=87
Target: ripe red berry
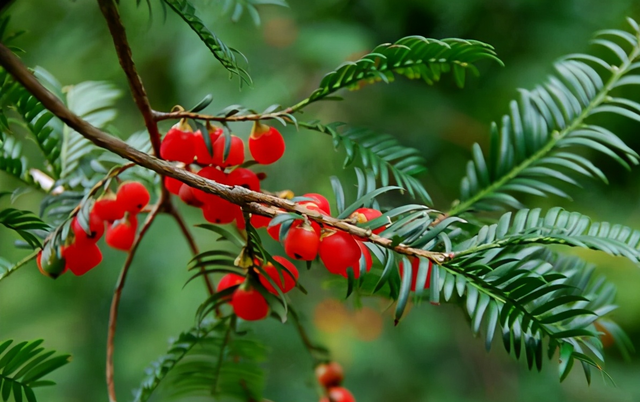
x=244 y=178
x=178 y=146
x=266 y=145
x=302 y=241
x=368 y=262
x=121 y=234
x=236 y=153
x=53 y=266
x=202 y=152
x=287 y=283
x=415 y=265
x=186 y=195
x=338 y=251
x=329 y=374
x=249 y=304
x=172 y=185
x=338 y=394
x=80 y=258
x=220 y=211
x=214 y=174
x=259 y=221
x=133 y=196
x=228 y=281
x=363 y=215
x=96 y=227
x=108 y=208
x=239 y=218
x=319 y=200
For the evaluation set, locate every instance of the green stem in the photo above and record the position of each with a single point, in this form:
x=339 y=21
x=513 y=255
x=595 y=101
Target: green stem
x=19 y=264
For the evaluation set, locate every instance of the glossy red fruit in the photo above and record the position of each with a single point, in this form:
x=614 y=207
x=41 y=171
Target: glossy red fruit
x=108 y=208
x=338 y=251
x=133 y=196
x=249 y=304
x=368 y=262
x=80 y=258
x=319 y=200
x=214 y=174
x=259 y=221
x=338 y=394
x=121 y=234
x=236 y=153
x=244 y=178
x=415 y=265
x=186 y=195
x=302 y=241
x=178 y=146
x=53 y=266
x=363 y=215
x=172 y=185
x=266 y=147
x=329 y=374
x=220 y=211
x=96 y=227
x=228 y=281
x=202 y=152
x=287 y=282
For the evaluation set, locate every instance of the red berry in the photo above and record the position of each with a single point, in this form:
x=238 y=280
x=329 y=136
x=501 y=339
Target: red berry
x=239 y=218
x=80 y=258
x=236 y=153
x=363 y=215
x=319 y=200
x=220 y=211
x=214 y=174
x=186 y=195
x=96 y=227
x=302 y=241
x=172 y=185
x=368 y=262
x=108 y=208
x=259 y=221
x=338 y=394
x=249 y=304
x=122 y=234
x=202 y=152
x=54 y=266
x=178 y=146
x=244 y=178
x=228 y=281
x=266 y=147
x=415 y=265
x=329 y=374
x=338 y=251
x=285 y=284
x=133 y=196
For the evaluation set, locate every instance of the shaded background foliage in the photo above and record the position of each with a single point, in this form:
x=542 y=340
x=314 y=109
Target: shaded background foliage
x=431 y=355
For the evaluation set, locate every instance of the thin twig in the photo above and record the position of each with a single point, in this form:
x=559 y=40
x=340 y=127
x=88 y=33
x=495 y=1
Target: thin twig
x=313 y=350
x=110 y=12
x=19 y=264
x=115 y=301
x=158 y=116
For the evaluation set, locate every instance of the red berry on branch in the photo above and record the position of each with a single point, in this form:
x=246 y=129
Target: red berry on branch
x=302 y=241
x=338 y=251
x=329 y=374
x=172 y=185
x=249 y=304
x=108 y=208
x=228 y=281
x=368 y=262
x=266 y=144
x=53 y=267
x=363 y=215
x=319 y=200
x=287 y=282
x=186 y=195
x=214 y=174
x=259 y=221
x=220 y=211
x=338 y=394
x=244 y=178
x=121 y=234
x=415 y=265
x=203 y=155
x=239 y=218
x=178 y=145
x=80 y=258
x=133 y=196
x=236 y=153
x=96 y=227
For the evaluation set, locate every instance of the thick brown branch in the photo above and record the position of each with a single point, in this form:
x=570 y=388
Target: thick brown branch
x=110 y=12
x=115 y=302
x=235 y=194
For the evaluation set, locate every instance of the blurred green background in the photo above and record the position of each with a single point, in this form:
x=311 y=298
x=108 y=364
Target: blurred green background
x=431 y=355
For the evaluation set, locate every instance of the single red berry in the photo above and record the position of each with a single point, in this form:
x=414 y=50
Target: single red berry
x=80 y=258
x=186 y=195
x=368 y=262
x=319 y=200
x=228 y=281
x=338 y=394
x=121 y=234
x=338 y=251
x=287 y=282
x=239 y=218
x=329 y=374
x=267 y=146
x=363 y=215
x=236 y=153
x=172 y=185
x=96 y=227
x=213 y=174
x=415 y=265
x=178 y=146
x=249 y=304
x=220 y=211
x=244 y=178
x=53 y=266
x=108 y=208
x=302 y=241
x=259 y=221
x=133 y=196
x=203 y=155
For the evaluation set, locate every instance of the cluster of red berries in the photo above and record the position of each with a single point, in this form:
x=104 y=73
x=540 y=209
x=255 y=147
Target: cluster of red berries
x=119 y=212
x=247 y=302
x=182 y=145
x=330 y=376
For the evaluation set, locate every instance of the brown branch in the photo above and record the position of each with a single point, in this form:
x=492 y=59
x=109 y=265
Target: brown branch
x=248 y=199
x=110 y=12
x=115 y=301
x=158 y=116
